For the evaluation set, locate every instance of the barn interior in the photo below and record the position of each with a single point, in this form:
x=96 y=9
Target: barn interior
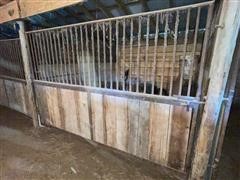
x=119 y=89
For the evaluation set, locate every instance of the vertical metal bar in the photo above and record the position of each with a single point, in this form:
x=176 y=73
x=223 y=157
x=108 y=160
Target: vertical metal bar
x=88 y=55
x=138 y=51
x=52 y=55
x=204 y=50
x=69 y=58
x=57 y=57
x=193 y=51
x=104 y=55
x=117 y=50
x=174 y=52
x=164 y=52
x=184 y=51
x=146 y=54
x=42 y=52
x=123 y=52
x=48 y=57
x=93 y=55
x=73 y=56
x=99 y=63
x=33 y=56
x=83 y=57
x=78 y=55
x=155 y=53
x=110 y=44
x=60 y=56
x=36 y=56
x=64 y=57
x=131 y=57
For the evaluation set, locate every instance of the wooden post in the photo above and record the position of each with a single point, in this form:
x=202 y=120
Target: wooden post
x=27 y=71
x=225 y=42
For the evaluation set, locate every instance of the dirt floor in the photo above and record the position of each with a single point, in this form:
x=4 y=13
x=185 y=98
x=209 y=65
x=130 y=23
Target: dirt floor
x=229 y=165
x=48 y=153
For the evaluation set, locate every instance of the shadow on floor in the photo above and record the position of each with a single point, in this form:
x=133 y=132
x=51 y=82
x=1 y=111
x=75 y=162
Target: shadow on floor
x=48 y=153
x=229 y=165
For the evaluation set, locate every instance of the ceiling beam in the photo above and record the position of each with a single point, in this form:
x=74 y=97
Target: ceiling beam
x=123 y=7
x=105 y=11
x=18 y=9
x=82 y=8
x=145 y=5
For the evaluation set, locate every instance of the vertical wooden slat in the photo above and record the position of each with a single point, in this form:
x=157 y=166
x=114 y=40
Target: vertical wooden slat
x=133 y=118
x=181 y=118
x=121 y=123
x=98 y=117
x=111 y=126
x=158 y=135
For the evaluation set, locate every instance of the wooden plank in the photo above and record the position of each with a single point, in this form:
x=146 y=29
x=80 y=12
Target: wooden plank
x=69 y=111
x=133 y=117
x=3 y=94
x=143 y=129
x=121 y=123
x=158 y=135
x=9 y=12
x=82 y=110
x=42 y=104
x=110 y=118
x=222 y=53
x=30 y=7
x=180 y=128
x=98 y=117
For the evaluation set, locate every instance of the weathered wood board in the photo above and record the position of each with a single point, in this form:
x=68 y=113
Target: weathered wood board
x=13 y=94
x=152 y=131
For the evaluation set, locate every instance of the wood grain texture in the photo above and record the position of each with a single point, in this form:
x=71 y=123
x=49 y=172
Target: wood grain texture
x=3 y=94
x=110 y=118
x=98 y=117
x=152 y=131
x=16 y=95
x=159 y=124
x=180 y=128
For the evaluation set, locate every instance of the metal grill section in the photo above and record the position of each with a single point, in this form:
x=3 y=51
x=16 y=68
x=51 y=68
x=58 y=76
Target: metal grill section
x=11 y=64
x=160 y=52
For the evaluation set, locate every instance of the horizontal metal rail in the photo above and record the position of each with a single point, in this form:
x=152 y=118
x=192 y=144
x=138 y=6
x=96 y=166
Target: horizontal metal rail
x=147 y=53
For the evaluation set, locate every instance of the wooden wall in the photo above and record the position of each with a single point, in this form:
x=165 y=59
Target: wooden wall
x=13 y=94
x=153 y=131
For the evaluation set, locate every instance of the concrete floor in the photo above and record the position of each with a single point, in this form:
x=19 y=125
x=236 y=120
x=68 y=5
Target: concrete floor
x=229 y=165
x=48 y=153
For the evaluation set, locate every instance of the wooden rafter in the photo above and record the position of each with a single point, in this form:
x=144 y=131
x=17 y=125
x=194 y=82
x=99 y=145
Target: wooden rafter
x=101 y=6
x=123 y=7
x=18 y=9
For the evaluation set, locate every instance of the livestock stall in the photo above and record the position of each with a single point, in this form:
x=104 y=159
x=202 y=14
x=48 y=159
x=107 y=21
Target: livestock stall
x=135 y=83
